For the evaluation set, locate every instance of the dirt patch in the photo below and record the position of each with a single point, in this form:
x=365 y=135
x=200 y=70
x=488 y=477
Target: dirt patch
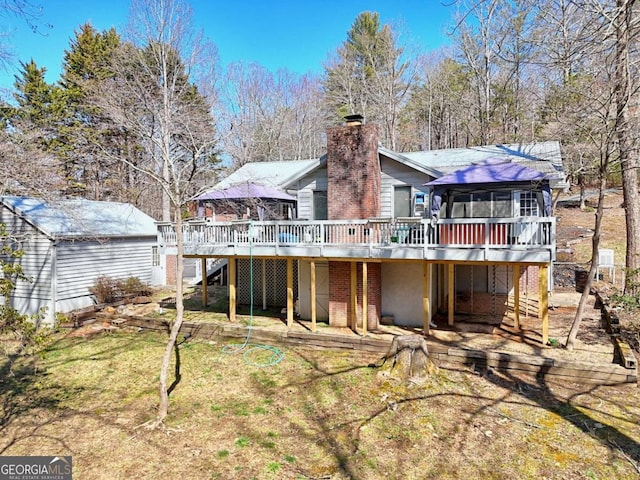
x=574 y=231
x=574 y=228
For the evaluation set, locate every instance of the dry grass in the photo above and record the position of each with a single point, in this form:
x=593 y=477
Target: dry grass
x=316 y=414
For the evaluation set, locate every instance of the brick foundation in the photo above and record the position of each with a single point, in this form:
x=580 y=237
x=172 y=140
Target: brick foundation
x=529 y=279
x=340 y=294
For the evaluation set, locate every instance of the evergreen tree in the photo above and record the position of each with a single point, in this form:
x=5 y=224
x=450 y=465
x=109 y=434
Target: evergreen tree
x=86 y=134
x=38 y=103
x=369 y=76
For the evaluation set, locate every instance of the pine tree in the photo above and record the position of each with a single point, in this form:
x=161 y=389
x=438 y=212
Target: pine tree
x=37 y=102
x=368 y=76
x=85 y=134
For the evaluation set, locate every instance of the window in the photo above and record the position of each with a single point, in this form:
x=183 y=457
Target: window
x=461 y=206
x=502 y=205
x=402 y=202
x=320 y=210
x=155 y=257
x=481 y=205
x=528 y=204
x=491 y=205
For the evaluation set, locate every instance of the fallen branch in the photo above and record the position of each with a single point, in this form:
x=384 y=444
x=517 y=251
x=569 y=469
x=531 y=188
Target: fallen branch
x=629 y=459
x=514 y=419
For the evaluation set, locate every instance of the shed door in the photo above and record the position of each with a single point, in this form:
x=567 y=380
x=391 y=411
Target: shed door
x=158 y=267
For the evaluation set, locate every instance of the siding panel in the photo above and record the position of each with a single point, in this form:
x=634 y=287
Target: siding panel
x=30 y=296
x=316 y=181
x=81 y=263
x=397 y=174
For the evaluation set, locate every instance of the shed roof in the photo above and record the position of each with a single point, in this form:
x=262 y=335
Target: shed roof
x=82 y=218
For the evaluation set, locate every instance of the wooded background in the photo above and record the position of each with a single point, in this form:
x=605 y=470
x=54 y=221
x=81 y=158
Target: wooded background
x=150 y=114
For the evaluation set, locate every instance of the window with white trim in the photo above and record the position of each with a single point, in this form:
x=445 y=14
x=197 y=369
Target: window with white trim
x=529 y=204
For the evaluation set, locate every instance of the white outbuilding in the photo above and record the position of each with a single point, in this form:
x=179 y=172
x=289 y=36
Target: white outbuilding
x=68 y=244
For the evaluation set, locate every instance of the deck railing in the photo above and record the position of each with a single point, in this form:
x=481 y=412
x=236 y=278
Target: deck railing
x=528 y=232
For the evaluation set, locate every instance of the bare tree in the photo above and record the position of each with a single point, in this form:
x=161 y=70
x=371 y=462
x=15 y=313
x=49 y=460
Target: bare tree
x=24 y=10
x=153 y=97
x=271 y=116
x=437 y=114
x=624 y=20
x=596 y=125
x=477 y=48
x=493 y=40
x=33 y=171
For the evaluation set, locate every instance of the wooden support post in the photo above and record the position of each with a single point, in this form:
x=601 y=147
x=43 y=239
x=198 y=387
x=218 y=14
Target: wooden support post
x=365 y=299
x=451 y=293
x=290 y=305
x=426 y=297
x=543 y=301
x=203 y=267
x=313 y=295
x=232 y=289
x=353 y=321
x=441 y=288
x=264 y=284
x=516 y=296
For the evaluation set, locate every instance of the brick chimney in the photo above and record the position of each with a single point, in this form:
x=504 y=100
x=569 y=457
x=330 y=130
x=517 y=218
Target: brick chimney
x=353 y=170
x=353 y=192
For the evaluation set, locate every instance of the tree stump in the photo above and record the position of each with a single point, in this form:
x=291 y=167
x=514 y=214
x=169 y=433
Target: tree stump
x=411 y=361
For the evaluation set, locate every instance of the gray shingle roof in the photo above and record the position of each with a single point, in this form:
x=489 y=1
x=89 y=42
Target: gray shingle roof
x=272 y=174
x=83 y=218
x=542 y=156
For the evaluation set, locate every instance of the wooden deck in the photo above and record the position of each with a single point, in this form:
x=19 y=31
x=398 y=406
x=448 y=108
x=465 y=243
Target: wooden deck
x=521 y=239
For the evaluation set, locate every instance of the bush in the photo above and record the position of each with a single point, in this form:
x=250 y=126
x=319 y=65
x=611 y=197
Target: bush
x=19 y=333
x=109 y=290
x=630 y=299
x=133 y=286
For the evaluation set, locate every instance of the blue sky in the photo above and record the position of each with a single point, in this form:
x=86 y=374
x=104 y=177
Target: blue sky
x=297 y=35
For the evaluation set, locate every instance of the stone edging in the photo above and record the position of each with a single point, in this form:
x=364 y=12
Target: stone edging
x=623 y=352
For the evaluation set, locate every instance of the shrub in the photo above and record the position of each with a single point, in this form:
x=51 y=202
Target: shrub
x=108 y=290
x=133 y=286
x=19 y=333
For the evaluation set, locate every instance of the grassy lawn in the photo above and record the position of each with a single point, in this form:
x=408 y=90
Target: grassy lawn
x=316 y=414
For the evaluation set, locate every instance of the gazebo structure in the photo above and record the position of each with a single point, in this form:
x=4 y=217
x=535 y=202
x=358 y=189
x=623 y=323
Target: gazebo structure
x=246 y=200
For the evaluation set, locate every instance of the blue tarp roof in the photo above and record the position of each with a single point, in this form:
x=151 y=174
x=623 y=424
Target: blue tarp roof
x=245 y=190
x=490 y=171
x=83 y=218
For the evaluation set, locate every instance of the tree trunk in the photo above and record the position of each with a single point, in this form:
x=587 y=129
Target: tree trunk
x=595 y=245
x=411 y=361
x=163 y=407
x=628 y=152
